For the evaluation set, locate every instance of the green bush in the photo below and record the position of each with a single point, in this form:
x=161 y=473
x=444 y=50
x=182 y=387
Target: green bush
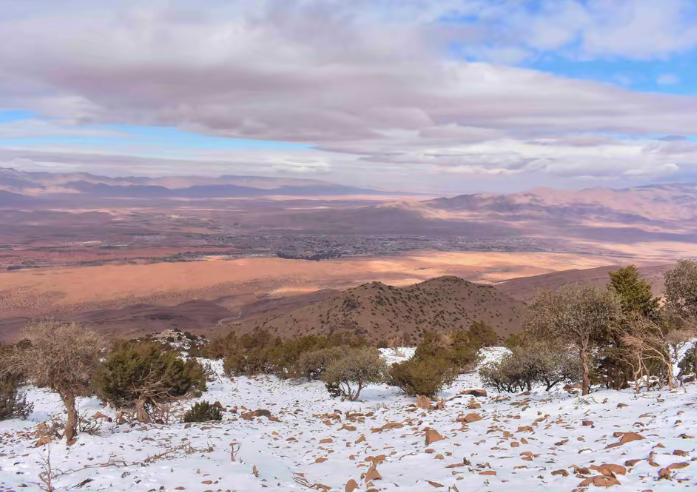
x=202 y=412
x=482 y=335
x=260 y=353
x=459 y=348
x=13 y=403
x=144 y=375
x=423 y=375
x=350 y=373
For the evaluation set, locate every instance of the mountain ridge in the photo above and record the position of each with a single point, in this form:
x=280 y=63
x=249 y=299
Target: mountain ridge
x=382 y=312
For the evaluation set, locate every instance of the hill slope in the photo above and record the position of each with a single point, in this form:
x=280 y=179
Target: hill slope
x=383 y=312
x=525 y=288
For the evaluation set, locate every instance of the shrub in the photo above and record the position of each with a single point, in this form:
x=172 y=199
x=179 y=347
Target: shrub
x=482 y=335
x=144 y=375
x=350 y=373
x=423 y=375
x=13 y=404
x=312 y=365
x=532 y=363
x=260 y=353
x=687 y=364
x=202 y=412
x=58 y=356
x=458 y=348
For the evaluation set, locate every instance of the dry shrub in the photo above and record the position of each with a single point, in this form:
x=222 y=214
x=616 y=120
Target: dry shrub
x=59 y=356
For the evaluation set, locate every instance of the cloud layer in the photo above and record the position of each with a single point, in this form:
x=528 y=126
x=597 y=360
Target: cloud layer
x=373 y=84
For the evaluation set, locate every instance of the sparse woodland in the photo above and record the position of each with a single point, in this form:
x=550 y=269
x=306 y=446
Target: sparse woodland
x=608 y=337
x=580 y=337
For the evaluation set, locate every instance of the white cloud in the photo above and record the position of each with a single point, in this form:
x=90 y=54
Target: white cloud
x=368 y=82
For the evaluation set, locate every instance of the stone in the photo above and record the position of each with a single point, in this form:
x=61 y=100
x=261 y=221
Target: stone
x=423 y=402
x=373 y=474
x=433 y=436
x=600 y=481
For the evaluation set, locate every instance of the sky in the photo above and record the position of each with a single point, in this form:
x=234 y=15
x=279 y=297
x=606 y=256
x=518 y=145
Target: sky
x=414 y=95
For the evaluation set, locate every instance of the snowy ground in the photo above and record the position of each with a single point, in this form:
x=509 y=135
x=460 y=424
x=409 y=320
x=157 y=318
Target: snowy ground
x=319 y=442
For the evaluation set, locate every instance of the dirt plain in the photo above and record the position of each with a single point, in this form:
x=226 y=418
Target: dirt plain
x=132 y=298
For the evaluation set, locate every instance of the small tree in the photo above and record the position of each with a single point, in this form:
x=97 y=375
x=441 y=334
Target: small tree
x=144 y=375
x=635 y=293
x=577 y=315
x=59 y=356
x=681 y=295
x=356 y=369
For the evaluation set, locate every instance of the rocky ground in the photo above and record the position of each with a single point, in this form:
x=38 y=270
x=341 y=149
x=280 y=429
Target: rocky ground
x=284 y=435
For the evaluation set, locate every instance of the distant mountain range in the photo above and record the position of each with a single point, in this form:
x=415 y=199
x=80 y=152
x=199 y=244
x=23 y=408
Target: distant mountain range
x=38 y=184
x=658 y=219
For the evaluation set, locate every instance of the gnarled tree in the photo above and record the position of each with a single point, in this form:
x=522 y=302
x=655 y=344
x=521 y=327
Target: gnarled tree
x=575 y=315
x=59 y=356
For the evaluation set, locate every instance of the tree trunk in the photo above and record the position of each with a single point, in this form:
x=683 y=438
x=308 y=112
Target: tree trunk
x=71 y=424
x=141 y=412
x=586 y=383
x=358 y=391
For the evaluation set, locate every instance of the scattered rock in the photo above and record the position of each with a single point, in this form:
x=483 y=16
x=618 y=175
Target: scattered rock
x=470 y=417
x=423 y=402
x=433 y=436
x=373 y=474
x=600 y=481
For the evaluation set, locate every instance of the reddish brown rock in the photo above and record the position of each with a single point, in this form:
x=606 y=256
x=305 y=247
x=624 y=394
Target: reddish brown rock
x=423 y=402
x=600 y=481
x=373 y=474
x=631 y=436
x=610 y=470
x=432 y=436
x=471 y=417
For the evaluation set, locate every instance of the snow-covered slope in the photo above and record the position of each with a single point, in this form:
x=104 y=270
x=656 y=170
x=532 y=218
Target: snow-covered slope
x=319 y=442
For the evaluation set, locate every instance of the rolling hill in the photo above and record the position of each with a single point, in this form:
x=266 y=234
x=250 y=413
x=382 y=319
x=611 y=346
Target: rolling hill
x=382 y=312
